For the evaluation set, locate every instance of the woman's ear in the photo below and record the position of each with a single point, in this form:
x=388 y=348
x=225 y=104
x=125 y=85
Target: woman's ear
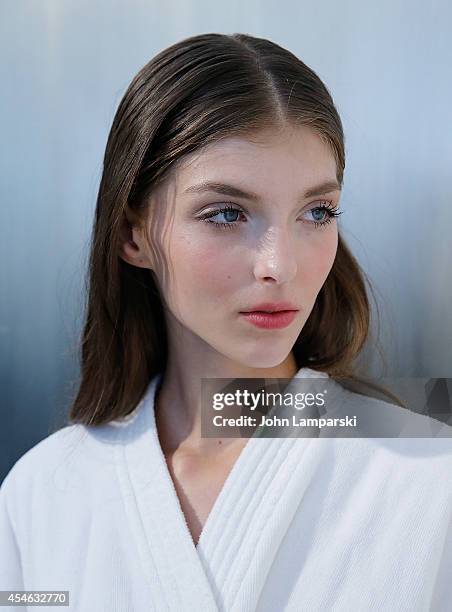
x=131 y=247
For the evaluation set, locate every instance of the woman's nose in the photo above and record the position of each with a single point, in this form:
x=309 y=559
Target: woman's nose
x=276 y=257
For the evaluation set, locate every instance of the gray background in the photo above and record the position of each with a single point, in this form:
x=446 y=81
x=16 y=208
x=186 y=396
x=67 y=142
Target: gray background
x=65 y=65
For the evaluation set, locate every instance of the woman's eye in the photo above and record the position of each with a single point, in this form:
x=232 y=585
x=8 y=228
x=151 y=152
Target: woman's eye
x=322 y=214
x=318 y=213
x=327 y=212
x=228 y=213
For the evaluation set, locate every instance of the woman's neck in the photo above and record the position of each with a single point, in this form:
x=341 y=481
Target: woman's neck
x=178 y=404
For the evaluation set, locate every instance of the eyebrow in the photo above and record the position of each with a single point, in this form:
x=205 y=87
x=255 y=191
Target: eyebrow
x=236 y=192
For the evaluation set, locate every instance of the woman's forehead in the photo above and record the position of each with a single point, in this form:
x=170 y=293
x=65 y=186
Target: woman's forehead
x=300 y=149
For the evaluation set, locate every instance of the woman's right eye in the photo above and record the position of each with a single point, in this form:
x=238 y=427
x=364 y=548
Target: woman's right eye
x=230 y=214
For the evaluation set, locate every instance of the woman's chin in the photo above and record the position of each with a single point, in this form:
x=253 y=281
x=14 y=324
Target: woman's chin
x=262 y=360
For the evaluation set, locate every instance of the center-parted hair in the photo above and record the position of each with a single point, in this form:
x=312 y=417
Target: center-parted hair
x=192 y=94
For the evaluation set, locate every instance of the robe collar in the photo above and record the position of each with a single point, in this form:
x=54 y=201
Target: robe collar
x=246 y=525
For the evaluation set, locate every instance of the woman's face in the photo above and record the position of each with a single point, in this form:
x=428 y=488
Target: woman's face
x=270 y=248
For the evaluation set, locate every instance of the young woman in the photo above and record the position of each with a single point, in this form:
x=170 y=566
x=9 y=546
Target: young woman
x=219 y=197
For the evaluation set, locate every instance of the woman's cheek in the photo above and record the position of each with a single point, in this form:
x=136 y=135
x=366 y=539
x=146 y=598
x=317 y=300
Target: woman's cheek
x=324 y=259
x=205 y=265
x=317 y=260
x=216 y=272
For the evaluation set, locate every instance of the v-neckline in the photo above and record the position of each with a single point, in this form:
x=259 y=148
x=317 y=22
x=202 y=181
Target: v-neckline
x=209 y=574
x=242 y=456
x=166 y=546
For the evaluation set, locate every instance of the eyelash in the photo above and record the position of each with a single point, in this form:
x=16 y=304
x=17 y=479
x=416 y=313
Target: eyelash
x=326 y=205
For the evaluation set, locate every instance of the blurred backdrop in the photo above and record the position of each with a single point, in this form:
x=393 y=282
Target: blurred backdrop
x=65 y=65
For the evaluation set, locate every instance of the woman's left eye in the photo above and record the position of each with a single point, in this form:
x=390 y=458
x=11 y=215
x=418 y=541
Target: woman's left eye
x=326 y=209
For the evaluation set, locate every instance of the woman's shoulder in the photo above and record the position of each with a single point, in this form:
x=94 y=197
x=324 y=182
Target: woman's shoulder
x=379 y=418
x=45 y=449
x=57 y=483
x=52 y=462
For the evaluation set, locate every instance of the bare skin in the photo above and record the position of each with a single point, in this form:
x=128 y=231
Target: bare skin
x=198 y=481
x=274 y=252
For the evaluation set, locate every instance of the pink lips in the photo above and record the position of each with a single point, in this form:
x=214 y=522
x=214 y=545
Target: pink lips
x=273 y=320
x=271 y=307
x=271 y=315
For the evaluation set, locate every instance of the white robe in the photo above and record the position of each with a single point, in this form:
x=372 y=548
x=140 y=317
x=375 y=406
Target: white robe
x=301 y=524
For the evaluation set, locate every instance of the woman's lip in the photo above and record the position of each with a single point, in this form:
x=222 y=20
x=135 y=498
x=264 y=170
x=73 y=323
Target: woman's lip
x=271 y=307
x=270 y=320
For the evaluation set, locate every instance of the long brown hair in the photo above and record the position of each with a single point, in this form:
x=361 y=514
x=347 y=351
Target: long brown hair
x=192 y=94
